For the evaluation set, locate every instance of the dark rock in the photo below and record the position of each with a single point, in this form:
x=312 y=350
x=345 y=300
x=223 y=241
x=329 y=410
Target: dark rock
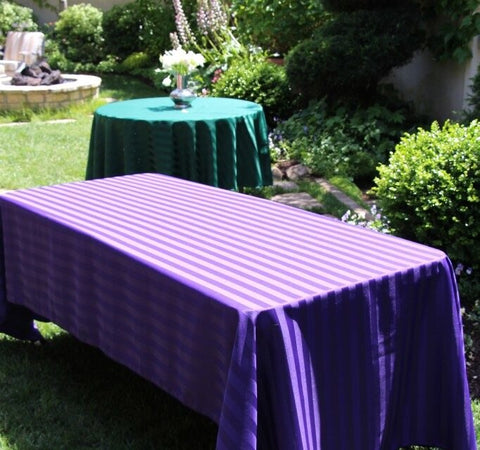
x=36 y=75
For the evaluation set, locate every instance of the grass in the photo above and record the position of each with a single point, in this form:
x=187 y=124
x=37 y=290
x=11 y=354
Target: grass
x=43 y=153
x=66 y=395
x=50 y=152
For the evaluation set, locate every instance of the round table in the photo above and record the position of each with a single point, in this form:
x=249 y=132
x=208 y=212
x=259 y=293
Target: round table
x=218 y=141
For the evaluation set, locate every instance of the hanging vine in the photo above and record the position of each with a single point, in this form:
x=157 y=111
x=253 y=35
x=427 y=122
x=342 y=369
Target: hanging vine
x=451 y=26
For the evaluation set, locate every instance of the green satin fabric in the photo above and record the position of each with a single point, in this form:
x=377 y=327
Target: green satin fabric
x=218 y=141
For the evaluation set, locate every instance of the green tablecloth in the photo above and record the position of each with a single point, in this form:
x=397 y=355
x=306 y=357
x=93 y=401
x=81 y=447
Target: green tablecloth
x=218 y=141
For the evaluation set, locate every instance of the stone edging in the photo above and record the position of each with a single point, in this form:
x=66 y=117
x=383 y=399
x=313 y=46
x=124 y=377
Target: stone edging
x=77 y=88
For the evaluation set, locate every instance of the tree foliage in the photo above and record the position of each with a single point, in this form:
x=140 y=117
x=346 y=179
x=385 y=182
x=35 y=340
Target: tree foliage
x=14 y=17
x=347 y=57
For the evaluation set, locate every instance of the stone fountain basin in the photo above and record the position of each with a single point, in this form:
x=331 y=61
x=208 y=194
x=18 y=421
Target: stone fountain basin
x=75 y=89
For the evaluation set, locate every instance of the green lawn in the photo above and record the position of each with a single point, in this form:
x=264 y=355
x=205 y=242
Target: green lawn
x=48 y=151
x=43 y=153
x=68 y=396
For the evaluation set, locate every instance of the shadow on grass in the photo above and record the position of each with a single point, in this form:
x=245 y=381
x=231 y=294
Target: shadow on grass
x=67 y=395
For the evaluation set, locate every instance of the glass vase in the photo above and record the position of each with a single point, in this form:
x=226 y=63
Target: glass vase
x=181 y=96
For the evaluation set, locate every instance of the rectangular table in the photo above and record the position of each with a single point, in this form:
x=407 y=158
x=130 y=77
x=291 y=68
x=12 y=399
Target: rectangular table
x=289 y=329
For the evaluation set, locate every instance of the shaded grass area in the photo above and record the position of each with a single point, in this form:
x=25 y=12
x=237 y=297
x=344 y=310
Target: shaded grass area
x=67 y=395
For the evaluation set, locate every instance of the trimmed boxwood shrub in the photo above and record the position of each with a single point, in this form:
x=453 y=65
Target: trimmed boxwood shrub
x=430 y=190
x=350 y=55
x=259 y=81
x=79 y=34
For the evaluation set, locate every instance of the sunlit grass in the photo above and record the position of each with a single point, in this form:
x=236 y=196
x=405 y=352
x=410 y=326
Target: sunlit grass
x=43 y=153
x=36 y=149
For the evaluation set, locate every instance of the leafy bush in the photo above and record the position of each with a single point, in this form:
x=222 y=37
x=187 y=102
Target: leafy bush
x=258 y=81
x=58 y=60
x=79 y=34
x=274 y=25
x=452 y=24
x=139 y=26
x=473 y=110
x=430 y=190
x=347 y=57
x=136 y=61
x=343 y=140
x=121 y=28
x=14 y=17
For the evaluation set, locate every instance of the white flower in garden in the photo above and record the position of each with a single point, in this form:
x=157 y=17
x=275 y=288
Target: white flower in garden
x=167 y=81
x=181 y=62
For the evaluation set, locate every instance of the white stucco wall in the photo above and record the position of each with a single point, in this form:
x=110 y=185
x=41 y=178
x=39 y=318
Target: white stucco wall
x=50 y=14
x=437 y=89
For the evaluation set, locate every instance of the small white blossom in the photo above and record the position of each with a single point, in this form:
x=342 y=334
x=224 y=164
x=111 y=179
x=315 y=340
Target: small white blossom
x=167 y=81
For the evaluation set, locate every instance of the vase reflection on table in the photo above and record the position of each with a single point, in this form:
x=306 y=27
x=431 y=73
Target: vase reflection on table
x=182 y=96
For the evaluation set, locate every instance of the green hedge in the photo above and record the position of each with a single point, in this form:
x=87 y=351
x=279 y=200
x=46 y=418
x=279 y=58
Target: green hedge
x=140 y=26
x=277 y=26
x=352 y=5
x=259 y=81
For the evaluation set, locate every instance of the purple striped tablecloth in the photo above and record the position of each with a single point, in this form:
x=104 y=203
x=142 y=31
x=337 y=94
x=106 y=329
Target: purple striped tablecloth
x=289 y=329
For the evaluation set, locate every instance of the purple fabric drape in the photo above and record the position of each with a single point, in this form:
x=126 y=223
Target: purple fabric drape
x=289 y=329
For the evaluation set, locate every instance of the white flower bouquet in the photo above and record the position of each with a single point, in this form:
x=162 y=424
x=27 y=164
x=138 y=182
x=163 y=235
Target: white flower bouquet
x=181 y=62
